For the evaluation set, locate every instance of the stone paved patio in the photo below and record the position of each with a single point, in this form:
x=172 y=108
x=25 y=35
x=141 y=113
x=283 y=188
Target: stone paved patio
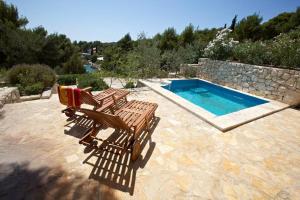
x=40 y=157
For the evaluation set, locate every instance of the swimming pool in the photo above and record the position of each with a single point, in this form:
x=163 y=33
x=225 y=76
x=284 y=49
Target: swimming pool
x=213 y=98
x=88 y=68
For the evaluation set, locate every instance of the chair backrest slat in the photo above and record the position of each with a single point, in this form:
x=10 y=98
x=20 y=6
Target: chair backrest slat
x=112 y=121
x=88 y=99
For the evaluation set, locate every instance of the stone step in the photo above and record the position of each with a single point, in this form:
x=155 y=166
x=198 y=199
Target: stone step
x=46 y=94
x=30 y=97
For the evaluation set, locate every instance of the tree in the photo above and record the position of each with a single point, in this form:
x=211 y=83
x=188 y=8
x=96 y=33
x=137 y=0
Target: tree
x=21 y=45
x=144 y=60
x=74 y=65
x=9 y=15
x=94 y=58
x=233 y=23
x=112 y=58
x=57 y=50
x=276 y=25
x=205 y=35
x=126 y=43
x=10 y=38
x=168 y=40
x=282 y=23
x=295 y=19
x=171 y=60
x=187 y=36
x=249 y=28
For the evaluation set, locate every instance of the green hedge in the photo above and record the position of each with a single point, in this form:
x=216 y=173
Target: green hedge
x=31 y=79
x=69 y=79
x=257 y=53
x=36 y=88
x=281 y=51
x=94 y=81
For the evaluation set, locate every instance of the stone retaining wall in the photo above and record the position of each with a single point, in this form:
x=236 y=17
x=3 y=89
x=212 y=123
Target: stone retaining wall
x=273 y=83
x=9 y=95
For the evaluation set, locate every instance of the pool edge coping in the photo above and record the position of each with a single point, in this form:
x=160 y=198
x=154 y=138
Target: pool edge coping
x=223 y=122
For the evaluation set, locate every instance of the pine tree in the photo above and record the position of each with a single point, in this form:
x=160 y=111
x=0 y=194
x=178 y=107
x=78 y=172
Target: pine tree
x=232 y=26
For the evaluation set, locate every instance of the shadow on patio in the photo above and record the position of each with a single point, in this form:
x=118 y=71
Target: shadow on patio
x=20 y=181
x=115 y=169
x=77 y=126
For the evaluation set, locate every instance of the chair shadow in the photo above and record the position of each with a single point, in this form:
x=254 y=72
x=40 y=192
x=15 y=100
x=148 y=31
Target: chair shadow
x=77 y=126
x=114 y=169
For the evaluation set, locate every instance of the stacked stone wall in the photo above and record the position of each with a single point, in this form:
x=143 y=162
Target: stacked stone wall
x=273 y=83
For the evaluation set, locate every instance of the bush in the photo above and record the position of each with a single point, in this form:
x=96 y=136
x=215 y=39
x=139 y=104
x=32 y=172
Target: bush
x=27 y=75
x=283 y=51
x=253 y=53
x=286 y=49
x=129 y=84
x=35 y=88
x=93 y=81
x=3 y=74
x=221 y=47
x=69 y=79
x=162 y=74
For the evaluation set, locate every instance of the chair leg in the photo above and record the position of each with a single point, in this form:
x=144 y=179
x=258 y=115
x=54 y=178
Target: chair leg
x=91 y=133
x=147 y=126
x=136 y=150
x=69 y=112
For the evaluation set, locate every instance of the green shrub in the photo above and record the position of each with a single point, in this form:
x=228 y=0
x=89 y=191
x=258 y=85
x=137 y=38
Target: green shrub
x=35 y=88
x=27 y=75
x=162 y=74
x=69 y=79
x=129 y=84
x=3 y=74
x=286 y=49
x=221 y=47
x=89 y=80
x=257 y=53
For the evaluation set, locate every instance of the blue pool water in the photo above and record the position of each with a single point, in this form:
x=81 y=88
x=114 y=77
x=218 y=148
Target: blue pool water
x=88 y=68
x=213 y=98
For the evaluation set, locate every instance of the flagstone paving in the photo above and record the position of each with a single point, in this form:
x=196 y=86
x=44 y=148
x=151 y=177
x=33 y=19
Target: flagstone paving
x=186 y=158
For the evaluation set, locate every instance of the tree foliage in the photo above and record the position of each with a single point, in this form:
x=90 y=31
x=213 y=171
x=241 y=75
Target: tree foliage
x=187 y=36
x=282 y=23
x=74 y=65
x=20 y=45
x=168 y=40
x=145 y=60
x=249 y=28
x=165 y=51
x=9 y=15
x=233 y=23
x=125 y=43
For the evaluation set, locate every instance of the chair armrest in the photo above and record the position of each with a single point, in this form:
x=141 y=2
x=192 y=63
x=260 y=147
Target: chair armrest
x=106 y=96
x=87 y=89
